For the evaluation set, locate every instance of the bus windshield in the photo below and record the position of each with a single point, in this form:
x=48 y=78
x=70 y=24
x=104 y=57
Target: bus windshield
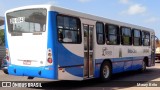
x=27 y=21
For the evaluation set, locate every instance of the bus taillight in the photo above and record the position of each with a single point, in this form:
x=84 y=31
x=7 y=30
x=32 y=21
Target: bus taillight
x=49 y=60
x=7 y=55
x=49 y=56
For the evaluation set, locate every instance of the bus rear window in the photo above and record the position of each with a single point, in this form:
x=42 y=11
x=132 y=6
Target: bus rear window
x=27 y=21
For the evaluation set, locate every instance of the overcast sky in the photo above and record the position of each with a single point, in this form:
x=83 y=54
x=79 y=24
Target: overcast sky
x=139 y=12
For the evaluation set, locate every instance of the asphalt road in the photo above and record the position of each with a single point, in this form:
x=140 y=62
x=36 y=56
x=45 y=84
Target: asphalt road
x=125 y=81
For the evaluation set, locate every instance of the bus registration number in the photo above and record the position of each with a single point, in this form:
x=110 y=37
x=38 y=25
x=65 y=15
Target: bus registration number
x=27 y=62
x=17 y=20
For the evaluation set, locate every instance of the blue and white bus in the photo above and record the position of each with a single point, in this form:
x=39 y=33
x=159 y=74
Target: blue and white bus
x=46 y=41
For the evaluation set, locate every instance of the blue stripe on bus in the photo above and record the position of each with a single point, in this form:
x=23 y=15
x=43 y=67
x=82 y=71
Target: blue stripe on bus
x=5 y=33
x=67 y=58
x=118 y=66
x=51 y=42
x=121 y=64
x=123 y=59
x=42 y=72
x=62 y=56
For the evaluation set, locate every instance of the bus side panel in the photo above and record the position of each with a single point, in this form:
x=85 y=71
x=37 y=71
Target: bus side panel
x=70 y=64
x=70 y=59
x=52 y=37
x=128 y=65
x=137 y=63
x=118 y=65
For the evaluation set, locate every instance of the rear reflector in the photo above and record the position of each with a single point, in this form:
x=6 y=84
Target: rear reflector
x=7 y=55
x=49 y=60
x=49 y=57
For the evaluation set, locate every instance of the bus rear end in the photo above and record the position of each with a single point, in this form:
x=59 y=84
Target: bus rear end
x=27 y=43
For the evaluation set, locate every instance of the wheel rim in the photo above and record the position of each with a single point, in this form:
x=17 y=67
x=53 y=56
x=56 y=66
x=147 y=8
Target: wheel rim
x=106 y=72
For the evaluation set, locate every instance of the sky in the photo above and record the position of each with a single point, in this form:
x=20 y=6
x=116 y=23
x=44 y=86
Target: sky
x=138 y=12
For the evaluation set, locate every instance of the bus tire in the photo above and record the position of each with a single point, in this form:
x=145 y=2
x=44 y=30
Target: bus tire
x=143 y=66
x=105 y=71
x=5 y=71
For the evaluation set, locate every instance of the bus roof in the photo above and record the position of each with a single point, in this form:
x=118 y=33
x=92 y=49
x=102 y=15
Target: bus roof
x=65 y=11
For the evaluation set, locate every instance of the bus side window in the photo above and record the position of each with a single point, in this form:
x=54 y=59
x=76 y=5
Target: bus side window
x=126 y=36
x=137 y=37
x=112 y=34
x=100 y=33
x=145 y=38
x=60 y=35
x=60 y=21
x=69 y=30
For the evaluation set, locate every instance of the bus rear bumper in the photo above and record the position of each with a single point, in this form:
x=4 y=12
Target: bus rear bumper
x=41 y=72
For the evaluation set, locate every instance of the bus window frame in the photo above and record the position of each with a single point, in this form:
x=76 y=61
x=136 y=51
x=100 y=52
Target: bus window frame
x=78 y=25
x=107 y=34
x=131 y=42
x=143 y=31
x=11 y=32
x=100 y=33
x=140 y=43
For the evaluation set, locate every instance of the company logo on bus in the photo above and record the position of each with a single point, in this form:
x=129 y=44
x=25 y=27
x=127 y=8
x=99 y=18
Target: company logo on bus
x=105 y=52
x=132 y=51
x=145 y=50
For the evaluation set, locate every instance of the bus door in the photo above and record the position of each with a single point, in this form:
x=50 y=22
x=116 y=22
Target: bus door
x=152 y=50
x=88 y=51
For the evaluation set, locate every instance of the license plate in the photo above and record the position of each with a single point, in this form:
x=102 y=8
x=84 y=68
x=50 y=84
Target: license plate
x=26 y=62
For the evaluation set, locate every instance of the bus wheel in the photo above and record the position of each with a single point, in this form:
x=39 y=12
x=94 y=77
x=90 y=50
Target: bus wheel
x=5 y=71
x=105 y=72
x=143 y=66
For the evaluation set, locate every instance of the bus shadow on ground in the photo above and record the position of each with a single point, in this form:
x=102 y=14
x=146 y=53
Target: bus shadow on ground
x=121 y=80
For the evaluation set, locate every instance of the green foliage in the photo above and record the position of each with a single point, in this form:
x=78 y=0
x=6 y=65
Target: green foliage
x=2 y=39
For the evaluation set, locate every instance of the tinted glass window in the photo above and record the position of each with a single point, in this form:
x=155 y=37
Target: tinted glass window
x=68 y=29
x=126 y=36
x=27 y=21
x=136 y=37
x=146 y=38
x=100 y=33
x=137 y=33
x=126 y=31
x=112 y=34
x=112 y=29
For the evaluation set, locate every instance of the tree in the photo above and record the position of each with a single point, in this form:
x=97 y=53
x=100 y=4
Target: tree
x=2 y=39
